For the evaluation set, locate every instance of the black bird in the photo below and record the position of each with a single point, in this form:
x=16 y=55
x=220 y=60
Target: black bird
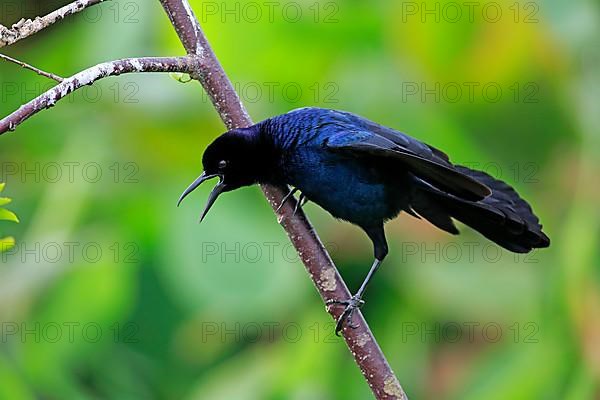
x=366 y=174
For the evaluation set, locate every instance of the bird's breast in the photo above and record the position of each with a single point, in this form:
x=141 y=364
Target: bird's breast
x=347 y=188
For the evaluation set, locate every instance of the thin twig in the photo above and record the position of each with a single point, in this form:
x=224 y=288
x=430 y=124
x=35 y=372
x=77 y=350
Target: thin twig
x=27 y=27
x=32 y=68
x=361 y=342
x=187 y=64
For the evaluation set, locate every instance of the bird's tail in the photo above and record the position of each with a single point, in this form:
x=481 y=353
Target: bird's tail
x=503 y=217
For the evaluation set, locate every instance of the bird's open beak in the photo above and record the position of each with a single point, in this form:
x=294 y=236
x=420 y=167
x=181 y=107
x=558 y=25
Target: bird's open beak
x=217 y=190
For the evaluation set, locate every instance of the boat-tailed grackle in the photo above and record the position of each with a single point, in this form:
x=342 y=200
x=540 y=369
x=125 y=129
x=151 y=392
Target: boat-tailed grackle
x=366 y=174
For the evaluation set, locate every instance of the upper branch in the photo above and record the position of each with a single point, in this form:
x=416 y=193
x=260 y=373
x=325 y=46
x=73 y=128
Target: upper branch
x=25 y=28
x=212 y=77
x=186 y=25
x=90 y=75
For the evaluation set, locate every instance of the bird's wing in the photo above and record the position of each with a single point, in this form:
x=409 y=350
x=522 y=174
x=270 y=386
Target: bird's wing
x=425 y=162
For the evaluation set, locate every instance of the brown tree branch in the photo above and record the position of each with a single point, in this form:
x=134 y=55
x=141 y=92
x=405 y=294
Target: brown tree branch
x=361 y=342
x=188 y=64
x=38 y=71
x=25 y=28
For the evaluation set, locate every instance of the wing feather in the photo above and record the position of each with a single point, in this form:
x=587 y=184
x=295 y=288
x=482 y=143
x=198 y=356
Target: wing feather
x=423 y=161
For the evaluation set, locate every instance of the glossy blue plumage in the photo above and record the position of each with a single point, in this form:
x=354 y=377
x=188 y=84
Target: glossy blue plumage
x=367 y=173
x=350 y=190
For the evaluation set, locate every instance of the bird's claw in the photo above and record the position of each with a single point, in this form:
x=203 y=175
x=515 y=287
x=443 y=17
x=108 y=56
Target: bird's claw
x=301 y=201
x=352 y=305
x=286 y=198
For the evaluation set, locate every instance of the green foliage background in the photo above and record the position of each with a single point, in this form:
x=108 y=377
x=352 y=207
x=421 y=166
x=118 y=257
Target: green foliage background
x=170 y=308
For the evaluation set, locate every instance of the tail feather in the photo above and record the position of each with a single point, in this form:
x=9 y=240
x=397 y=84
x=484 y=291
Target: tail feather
x=503 y=217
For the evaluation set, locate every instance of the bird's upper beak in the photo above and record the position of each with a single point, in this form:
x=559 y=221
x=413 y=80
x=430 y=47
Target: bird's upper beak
x=217 y=190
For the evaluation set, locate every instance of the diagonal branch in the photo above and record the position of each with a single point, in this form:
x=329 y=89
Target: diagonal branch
x=25 y=28
x=38 y=71
x=361 y=342
x=48 y=99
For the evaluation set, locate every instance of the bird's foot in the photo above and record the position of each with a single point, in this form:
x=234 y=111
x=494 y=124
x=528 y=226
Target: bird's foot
x=286 y=198
x=302 y=200
x=354 y=303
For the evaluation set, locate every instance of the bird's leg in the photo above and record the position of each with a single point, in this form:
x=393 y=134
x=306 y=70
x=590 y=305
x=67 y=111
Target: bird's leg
x=286 y=198
x=377 y=235
x=354 y=302
x=304 y=200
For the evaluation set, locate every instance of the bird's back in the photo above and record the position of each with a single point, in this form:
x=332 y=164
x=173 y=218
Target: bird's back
x=351 y=189
x=366 y=173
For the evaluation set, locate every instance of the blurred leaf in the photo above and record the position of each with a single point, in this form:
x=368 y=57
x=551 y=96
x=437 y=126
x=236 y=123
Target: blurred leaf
x=6 y=243
x=6 y=215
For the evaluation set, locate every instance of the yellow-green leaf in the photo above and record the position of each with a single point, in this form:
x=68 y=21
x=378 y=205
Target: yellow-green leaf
x=4 y=201
x=8 y=215
x=6 y=243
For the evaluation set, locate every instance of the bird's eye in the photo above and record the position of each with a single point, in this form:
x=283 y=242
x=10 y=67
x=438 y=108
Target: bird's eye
x=222 y=164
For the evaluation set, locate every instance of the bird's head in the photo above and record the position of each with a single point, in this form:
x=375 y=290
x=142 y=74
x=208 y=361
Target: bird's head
x=236 y=158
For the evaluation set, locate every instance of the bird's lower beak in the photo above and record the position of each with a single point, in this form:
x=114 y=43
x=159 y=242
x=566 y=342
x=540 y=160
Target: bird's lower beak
x=217 y=190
